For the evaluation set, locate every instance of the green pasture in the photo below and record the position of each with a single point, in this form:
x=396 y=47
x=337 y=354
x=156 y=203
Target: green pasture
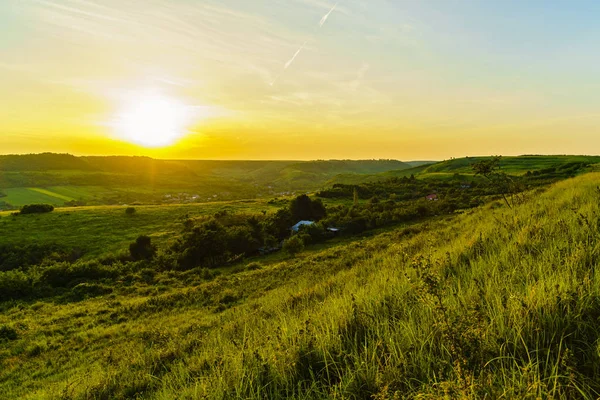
x=99 y=230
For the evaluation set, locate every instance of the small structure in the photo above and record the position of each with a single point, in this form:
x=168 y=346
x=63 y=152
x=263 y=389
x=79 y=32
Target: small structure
x=432 y=197
x=333 y=231
x=299 y=225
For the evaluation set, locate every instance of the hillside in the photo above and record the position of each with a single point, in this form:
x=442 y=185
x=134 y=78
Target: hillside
x=42 y=162
x=518 y=165
x=61 y=179
x=494 y=303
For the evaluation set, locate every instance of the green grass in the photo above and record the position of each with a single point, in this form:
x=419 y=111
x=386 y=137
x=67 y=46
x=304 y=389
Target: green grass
x=52 y=194
x=98 y=230
x=55 y=195
x=493 y=303
x=22 y=196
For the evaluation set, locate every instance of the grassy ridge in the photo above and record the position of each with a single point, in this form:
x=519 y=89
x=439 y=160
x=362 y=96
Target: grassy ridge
x=511 y=165
x=494 y=303
x=447 y=169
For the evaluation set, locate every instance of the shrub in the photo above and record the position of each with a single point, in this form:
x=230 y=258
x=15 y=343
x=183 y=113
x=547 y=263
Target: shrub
x=7 y=333
x=142 y=249
x=86 y=290
x=13 y=256
x=14 y=285
x=67 y=275
x=37 y=209
x=253 y=266
x=293 y=245
x=130 y=211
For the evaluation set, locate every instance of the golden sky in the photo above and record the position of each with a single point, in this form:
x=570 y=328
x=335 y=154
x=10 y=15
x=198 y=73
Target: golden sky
x=299 y=79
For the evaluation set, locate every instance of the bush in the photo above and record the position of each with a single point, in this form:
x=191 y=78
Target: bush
x=37 y=209
x=13 y=256
x=293 y=245
x=7 y=333
x=142 y=249
x=87 y=290
x=15 y=285
x=68 y=275
x=130 y=211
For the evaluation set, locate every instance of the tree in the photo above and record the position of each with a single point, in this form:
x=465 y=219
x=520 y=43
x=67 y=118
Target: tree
x=490 y=170
x=303 y=208
x=142 y=249
x=206 y=245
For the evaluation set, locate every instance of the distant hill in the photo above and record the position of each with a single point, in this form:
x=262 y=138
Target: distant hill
x=137 y=165
x=43 y=162
x=517 y=165
x=120 y=180
x=420 y=163
x=513 y=165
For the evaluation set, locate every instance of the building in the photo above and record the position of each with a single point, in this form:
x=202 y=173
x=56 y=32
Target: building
x=300 y=224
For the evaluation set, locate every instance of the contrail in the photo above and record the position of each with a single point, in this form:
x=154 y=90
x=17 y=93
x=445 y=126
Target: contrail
x=291 y=61
x=326 y=16
x=287 y=64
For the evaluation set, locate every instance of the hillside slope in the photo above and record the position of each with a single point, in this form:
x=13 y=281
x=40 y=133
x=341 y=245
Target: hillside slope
x=517 y=165
x=495 y=303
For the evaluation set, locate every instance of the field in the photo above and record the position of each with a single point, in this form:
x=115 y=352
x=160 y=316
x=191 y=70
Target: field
x=99 y=230
x=492 y=303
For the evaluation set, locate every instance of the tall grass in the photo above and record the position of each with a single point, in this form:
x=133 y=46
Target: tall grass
x=494 y=303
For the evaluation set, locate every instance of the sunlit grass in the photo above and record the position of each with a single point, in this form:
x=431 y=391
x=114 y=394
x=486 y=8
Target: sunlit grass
x=494 y=303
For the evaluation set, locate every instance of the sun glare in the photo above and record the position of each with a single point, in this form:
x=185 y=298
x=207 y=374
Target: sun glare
x=151 y=119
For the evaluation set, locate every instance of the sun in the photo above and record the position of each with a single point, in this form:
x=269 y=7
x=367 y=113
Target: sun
x=152 y=119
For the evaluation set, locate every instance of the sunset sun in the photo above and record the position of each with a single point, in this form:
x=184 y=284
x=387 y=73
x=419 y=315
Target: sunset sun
x=151 y=119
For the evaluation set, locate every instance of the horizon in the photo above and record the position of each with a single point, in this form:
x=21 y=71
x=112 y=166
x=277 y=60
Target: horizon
x=303 y=160
x=298 y=80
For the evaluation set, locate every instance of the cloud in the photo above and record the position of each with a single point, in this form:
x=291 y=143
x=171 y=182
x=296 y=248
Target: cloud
x=326 y=16
x=360 y=75
x=290 y=62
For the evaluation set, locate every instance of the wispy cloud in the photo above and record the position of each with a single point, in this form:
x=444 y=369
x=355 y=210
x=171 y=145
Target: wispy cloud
x=291 y=61
x=326 y=16
x=287 y=64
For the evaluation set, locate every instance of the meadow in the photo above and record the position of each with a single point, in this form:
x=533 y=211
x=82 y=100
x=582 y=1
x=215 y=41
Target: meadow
x=490 y=303
x=101 y=230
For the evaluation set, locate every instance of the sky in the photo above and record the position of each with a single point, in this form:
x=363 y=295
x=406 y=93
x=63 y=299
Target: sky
x=300 y=79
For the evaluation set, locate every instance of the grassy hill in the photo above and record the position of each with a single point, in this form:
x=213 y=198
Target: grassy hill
x=494 y=303
x=513 y=165
x=518 y=165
